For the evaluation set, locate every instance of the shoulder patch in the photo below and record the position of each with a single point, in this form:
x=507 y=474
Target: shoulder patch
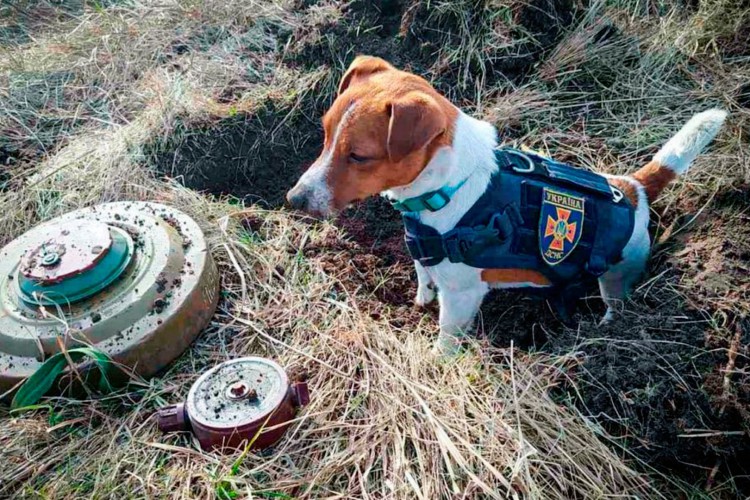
x=560 y=225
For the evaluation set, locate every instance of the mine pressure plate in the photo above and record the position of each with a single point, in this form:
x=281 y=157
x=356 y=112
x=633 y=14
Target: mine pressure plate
x=132 y=279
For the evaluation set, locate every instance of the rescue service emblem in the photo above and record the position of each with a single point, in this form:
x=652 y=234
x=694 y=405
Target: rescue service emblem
x=560 y=225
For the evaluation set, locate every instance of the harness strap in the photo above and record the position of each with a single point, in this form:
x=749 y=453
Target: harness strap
x=428 y=246
x=597 y=263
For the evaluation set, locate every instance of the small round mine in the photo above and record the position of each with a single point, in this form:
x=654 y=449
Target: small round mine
x=239 y=402
x=239 y=392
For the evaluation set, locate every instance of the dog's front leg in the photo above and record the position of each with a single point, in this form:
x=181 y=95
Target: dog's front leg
x=425 y=286
x=458 y=308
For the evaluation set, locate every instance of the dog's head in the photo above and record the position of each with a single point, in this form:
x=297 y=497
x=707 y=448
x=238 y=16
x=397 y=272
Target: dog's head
x=381 y=131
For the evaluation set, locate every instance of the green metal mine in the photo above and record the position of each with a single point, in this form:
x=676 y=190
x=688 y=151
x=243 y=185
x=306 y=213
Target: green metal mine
x=133 y=280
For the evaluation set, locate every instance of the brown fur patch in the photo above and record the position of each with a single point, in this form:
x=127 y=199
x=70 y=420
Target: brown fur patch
x=627 y=188
x=514 y=276
x=398 y=122
x=654 y=178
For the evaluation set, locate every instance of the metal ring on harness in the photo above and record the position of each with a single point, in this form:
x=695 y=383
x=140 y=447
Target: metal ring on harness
x=616 y=194
x=526 y=170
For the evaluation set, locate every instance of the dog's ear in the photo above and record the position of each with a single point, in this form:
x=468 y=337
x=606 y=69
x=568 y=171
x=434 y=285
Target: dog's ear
x=362 y=68
x=416 y=120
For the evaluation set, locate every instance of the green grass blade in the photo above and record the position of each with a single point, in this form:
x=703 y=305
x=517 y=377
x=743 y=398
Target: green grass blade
x=37 y=385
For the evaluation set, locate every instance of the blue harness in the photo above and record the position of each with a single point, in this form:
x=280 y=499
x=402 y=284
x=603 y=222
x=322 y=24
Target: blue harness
x=537 y=214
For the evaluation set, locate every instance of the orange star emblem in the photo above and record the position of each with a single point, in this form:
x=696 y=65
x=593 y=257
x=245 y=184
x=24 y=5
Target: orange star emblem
x=560 y=225
x=561 y=230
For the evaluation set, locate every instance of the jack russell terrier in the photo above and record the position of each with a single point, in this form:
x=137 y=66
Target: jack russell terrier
x=479 y=216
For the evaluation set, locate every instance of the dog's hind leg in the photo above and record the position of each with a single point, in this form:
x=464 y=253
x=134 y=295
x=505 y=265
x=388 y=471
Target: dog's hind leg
x=618 y=281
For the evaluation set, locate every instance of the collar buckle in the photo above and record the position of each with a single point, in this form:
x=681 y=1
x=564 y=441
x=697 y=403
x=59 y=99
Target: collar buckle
x=436 y=200
x=432 y=201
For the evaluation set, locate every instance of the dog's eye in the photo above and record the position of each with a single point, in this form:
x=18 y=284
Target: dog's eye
x=355 y=158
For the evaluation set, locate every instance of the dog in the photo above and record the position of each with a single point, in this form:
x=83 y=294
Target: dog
x=390 y=132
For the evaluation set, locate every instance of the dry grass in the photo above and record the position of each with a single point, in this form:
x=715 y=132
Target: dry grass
x=386 y=420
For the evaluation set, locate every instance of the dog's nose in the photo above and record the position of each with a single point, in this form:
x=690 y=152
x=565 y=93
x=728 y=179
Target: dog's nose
x=297 y=199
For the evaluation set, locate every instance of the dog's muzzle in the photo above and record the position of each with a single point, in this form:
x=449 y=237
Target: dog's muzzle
x=297 y=198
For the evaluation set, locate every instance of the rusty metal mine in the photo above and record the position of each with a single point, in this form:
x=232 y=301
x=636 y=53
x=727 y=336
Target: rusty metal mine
x=246 y=400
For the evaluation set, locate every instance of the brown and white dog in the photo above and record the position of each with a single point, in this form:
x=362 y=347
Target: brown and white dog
x=390 y=132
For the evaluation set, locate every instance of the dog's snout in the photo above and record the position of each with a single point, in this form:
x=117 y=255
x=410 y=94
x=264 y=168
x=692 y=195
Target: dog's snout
x=311 y=194
x=297 y=199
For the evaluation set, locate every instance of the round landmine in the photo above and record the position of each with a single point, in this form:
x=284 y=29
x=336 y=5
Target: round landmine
x=134 y=280
x=240 y=402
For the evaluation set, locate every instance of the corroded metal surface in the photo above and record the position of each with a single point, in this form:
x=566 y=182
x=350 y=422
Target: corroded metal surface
x=246 y=400
x=66 y=250
x=70 y=274
x=144 y=319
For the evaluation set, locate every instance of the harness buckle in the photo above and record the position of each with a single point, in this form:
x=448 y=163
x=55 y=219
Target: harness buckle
x=457 y=242
x=616 y=194
x=430 y=248
x=530 y=163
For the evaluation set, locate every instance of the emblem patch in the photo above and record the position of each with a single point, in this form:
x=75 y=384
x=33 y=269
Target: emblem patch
x=560 y=225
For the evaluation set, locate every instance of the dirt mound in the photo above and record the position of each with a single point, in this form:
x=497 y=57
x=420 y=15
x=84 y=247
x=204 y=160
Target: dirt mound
x=455 y=44
x=655 y=380
x=711 y=250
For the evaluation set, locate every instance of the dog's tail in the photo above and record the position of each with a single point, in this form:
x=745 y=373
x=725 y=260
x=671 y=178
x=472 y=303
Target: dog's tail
x=678 y=153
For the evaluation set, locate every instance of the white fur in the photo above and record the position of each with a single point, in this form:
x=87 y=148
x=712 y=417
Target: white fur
x=619 y=279
x=460 y=289
x=680 y=151
x=314 y=182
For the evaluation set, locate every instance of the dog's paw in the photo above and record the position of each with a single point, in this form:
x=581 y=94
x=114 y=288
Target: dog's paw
x=447 y=347
x=608 y=318
x=425 y=295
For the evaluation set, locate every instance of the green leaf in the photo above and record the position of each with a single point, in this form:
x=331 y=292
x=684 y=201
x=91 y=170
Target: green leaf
x=32 y=408
x=225 y=491
x=41 y=380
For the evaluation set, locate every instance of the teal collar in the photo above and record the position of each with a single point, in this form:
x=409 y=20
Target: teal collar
x=432 y=200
